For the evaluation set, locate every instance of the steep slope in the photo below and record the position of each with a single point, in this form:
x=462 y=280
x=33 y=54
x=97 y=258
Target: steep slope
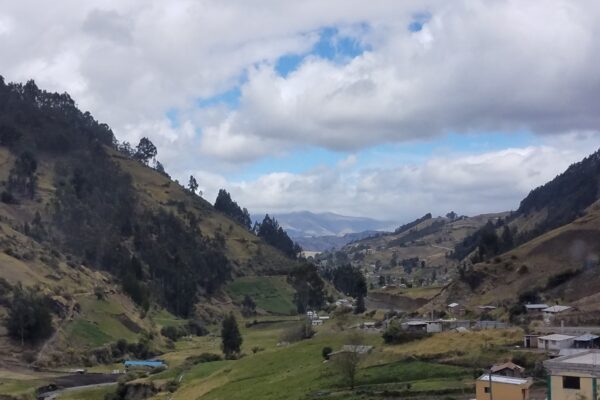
x=416 y=253
x=558 y=228
x=106 y=240
x=558 y=266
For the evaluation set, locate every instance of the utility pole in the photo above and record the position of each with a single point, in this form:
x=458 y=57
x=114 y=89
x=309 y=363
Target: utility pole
x=491 y=395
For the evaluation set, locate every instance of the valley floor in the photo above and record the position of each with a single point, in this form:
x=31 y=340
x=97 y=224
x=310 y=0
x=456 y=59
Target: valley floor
x=441 y=366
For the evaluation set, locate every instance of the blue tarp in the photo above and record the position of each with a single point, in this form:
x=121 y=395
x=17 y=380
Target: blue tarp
x=149 y=363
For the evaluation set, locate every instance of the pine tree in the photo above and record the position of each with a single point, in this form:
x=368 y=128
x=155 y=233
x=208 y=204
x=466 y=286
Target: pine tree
x=193 y=184
x=231 y=337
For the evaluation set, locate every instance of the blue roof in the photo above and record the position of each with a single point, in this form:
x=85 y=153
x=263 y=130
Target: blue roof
x=149 y=363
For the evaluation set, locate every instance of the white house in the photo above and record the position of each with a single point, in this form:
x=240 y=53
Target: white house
x=555 y=342
x=317 y=322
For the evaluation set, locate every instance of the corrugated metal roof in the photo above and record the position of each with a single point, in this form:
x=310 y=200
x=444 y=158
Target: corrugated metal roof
x=557 y=337
x=536 y=306
x=509 y=365
x=586 y=337
x=504 y=379
x=153 y=364
x=556 y=309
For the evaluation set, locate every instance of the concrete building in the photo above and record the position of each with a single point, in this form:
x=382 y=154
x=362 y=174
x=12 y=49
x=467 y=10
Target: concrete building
x=574 y=376
x=555 y=342
x=502 y=388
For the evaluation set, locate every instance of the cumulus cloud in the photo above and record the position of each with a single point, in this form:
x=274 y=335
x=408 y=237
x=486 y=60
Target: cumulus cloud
x=473 y=67
x=467 y=67
x=468 y=184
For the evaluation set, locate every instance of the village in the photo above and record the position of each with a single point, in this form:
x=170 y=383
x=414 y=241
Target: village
x=572 y=353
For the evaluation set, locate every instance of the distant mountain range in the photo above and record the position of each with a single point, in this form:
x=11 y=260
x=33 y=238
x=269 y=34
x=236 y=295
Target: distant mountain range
x=323 y=231
x=307 y=224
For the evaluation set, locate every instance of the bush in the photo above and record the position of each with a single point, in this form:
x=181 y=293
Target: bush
x=326 y=352
x=298 y=332
x=8 y=198
x=173 y=332
x=29 y=317
x=203 y=358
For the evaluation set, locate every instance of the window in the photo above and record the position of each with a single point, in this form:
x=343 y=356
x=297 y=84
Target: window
x=571 y=382
x=487 y=389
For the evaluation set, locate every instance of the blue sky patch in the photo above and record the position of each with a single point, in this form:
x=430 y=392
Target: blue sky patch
x=230 y=98
x=418 y=21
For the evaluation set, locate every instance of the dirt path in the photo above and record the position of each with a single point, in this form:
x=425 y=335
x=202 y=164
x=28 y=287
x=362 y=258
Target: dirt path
x=55 y=394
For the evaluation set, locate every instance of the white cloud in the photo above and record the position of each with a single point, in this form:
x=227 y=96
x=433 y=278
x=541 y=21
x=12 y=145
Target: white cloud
x=476 y=66
x=469 y=184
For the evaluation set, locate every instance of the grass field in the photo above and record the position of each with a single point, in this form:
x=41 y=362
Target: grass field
x=444 y=363
x=270 y=293
x=99 y=323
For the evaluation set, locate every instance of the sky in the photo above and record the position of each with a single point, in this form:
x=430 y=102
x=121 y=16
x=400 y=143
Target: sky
x=383 y=108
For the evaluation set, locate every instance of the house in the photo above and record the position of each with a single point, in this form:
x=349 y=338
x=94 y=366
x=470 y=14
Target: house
x=535 y=308
x=573 y=376
x=484 y=309
x=148 y=364
x=586 y=341
x=324 y=317
x=316 y=322
x=551 y=312
x=456 y=309
x=502 y=387
x=508 y=369
x=555 y=342
x=530 y=341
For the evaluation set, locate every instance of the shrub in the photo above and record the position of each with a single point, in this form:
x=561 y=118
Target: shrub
x=326 y=352
x=203 y=358
x=298 y=332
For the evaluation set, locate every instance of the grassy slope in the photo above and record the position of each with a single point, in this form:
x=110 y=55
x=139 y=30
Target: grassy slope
x=574 y=246
x=248 y=253
x=99 y=322
x=296 y=371
x=431 y=248
x=270 y=293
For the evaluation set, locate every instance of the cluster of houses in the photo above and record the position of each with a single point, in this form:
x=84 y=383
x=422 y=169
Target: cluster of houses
x=573 y=376
x=549 y=313
x=316 y=319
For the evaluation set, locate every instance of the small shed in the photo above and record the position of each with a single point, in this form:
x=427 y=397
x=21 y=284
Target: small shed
x=530 y=341
x=586 y=341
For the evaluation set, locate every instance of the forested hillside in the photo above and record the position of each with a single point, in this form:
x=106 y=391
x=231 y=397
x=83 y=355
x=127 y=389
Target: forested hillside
x=74 y=201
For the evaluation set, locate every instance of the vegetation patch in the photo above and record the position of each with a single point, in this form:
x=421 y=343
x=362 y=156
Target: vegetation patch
x=270 y=293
